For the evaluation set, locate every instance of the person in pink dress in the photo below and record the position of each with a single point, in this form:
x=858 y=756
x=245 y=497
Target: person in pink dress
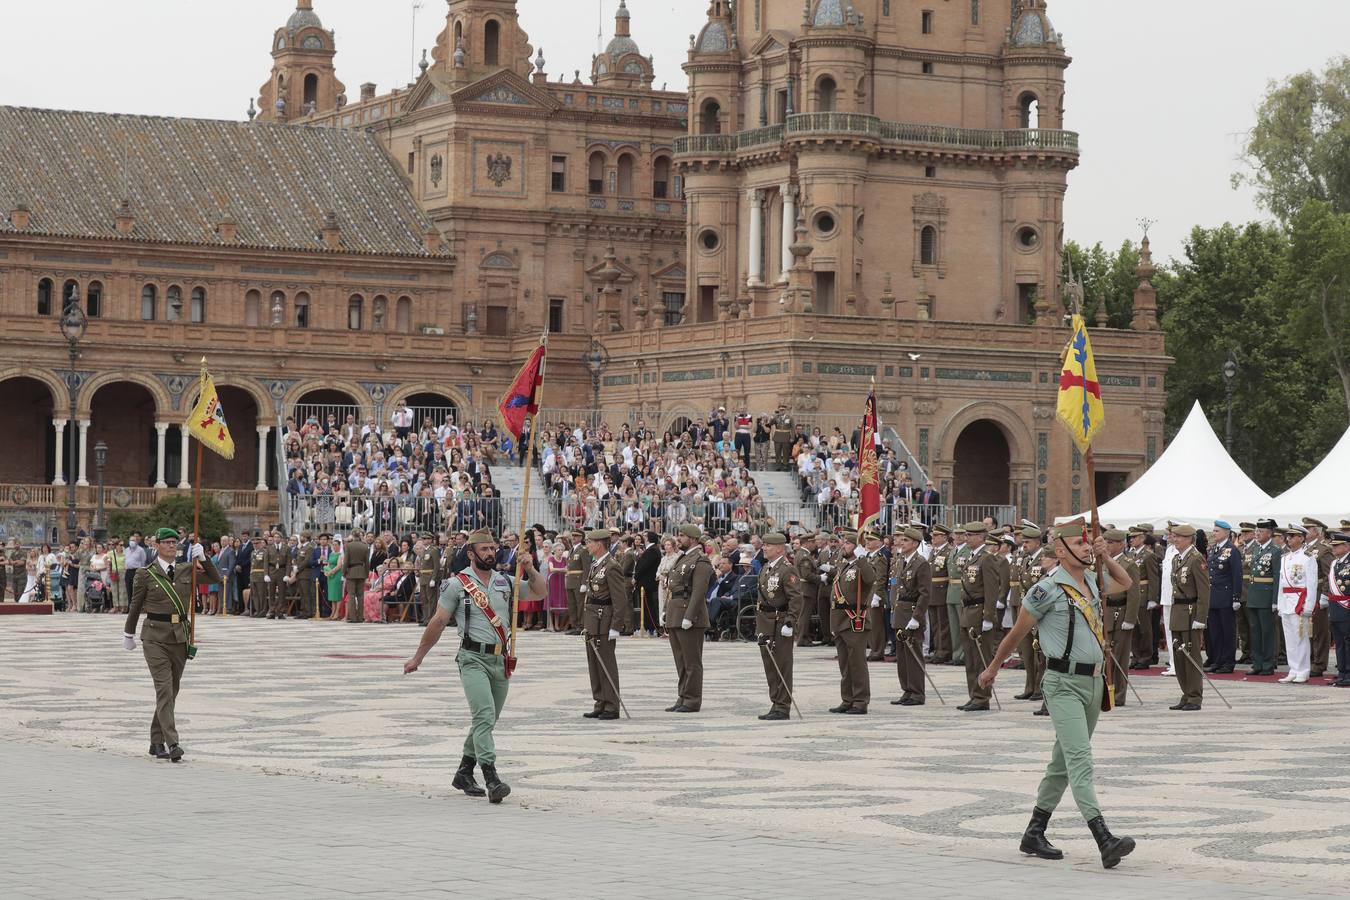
x=556 y=605
x=380 y=583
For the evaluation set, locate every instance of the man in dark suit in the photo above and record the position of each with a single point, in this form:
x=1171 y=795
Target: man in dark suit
x=928 y=501
x=644 y=579
x=243 y=568
x=1225 y=592
x=722 y=592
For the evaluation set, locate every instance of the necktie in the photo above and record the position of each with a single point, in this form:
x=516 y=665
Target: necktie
x=170 y=573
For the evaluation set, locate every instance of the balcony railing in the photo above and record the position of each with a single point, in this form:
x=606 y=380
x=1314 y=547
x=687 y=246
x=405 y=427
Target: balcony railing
x=706 y=143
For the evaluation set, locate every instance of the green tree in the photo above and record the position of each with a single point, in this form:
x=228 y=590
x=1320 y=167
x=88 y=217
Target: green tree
x=1110 y=278
x=1300 y=148
x=172 y=512
x=1316 y=289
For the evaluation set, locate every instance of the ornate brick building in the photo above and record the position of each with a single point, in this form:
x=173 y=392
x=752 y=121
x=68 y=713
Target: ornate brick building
x=849 y=189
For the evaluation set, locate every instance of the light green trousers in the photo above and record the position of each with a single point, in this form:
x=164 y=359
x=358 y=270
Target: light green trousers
x=485 y=686
x=1074 y=702
x=954 y=620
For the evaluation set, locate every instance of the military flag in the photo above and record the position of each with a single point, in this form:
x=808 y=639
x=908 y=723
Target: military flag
x=869 y=489
x=207 y=421
x=522 y=398
x=1080 y=393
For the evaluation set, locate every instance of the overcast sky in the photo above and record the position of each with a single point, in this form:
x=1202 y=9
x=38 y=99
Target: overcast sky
x=1162 y=91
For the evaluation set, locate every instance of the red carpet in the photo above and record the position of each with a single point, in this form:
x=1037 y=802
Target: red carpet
x=25 y=609
x=1240 y=674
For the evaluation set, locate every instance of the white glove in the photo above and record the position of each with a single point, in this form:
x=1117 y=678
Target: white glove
x=267 y=579
x=583 y=588
x=912 y=625
x=859 y=552
x=826 y=567
x=1153 y=604
x=786 y=631
x=1321 y=602
x=128 y=642
x=1127 y=626
x=876 y=601
x=1237 y=606
x=613 y=635
x=1198 y=626
x=1000 y=605
x=685 y=624
x=986 y=626
x=197 y=552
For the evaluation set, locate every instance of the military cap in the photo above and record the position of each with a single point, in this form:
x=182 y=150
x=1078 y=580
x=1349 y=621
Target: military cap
x=1075 y=529
x=914 y=534
x=578 y=532
x=1246 y=526
x=871 y=534
x=1008 y=539
x=1134 y=530
x=775 y=538
x=1308 y=520
x=1345 y=524
x=992 y=540
x=1032 y=532
x=1145 y=527
x=482 y=536
x=166 y=534
x=1294 y=528
x=976 y=528
x=1338 y=537
x=689 y=531
x=599 y=534
x=1266 y=523
x=1182 y=530
x=615 y=531
x=1027 y=523
x=959 y=529
x=1220 y=523
x=428 y=536
x=1115 y=534
x=941 y=529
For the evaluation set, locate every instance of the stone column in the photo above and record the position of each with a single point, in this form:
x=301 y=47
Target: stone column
x=183 y=483
x=60 y=478
x=161 y=428
x=756 y=267
x=789 y=224
x=263 y=431
x=83 y=479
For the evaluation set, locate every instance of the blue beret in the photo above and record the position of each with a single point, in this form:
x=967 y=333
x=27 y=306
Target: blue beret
x=1220 y=523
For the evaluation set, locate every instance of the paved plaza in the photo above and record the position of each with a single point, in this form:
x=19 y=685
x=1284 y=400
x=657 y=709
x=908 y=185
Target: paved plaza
x=315 y=768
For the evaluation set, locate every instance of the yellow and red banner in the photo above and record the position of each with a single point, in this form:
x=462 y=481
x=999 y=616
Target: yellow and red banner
x=869 y=489
x=207 y=421
x=1080 y=407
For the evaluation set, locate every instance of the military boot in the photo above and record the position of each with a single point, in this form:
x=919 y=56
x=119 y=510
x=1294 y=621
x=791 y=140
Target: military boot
x=1113 y=849
x=464 y=778
x=497 y=790
x=1033 y=840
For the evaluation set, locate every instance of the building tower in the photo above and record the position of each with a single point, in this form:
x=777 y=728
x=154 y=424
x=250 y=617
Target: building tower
x=622 y=63
x=303 y=79
x=481 y=37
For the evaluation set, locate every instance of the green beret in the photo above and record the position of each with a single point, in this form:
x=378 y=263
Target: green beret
x=689 y=531
x=914 y=534
x=600 y=534
x=976 y=528
x=773 y=537
x=166 y=534
x=1182 y=530
x=1115 y=534
x=482 y=536
x=1075 y=529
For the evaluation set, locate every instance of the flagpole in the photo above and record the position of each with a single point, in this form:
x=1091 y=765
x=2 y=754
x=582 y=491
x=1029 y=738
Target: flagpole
x=525 y=500
x=197 y=530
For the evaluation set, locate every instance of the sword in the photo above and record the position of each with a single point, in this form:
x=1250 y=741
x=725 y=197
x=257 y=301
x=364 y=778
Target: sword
x=1186 y=653
x=770 y=644
x=924 y=669
x=604 y=668
x=984 y=663
x=1129 y=684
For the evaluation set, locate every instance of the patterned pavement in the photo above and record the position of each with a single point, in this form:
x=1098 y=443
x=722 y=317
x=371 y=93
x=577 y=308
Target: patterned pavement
x=1256 y=797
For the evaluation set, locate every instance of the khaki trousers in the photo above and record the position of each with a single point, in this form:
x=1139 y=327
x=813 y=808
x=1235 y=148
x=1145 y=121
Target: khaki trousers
x=1191 y=679
x=1119 y=639
x=941 y=634
x=686 y=645
x=1321 y=641
x=909 y=660
x=876 y=631
x=600 y=649
x=166 y=662
x=276 y=597
x=1032 y=661
x=356 y=599
x=855 y=685
x=973 y=647
x=778 y=649
x=574 y=608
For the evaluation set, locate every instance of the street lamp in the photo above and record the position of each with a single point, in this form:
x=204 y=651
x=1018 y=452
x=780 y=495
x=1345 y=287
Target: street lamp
x=73 y=324
x=596 y=359
x=100 y=460
x=1230 y=370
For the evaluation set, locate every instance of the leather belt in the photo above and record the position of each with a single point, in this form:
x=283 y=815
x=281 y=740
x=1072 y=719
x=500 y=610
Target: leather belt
x=1091 y=670
x=1143 y=581
x=474 y=647
x=1182 y=601
x=173 y=619
x=770 y=608
x=1116 y=603
x=592 y=601
x=969 y=603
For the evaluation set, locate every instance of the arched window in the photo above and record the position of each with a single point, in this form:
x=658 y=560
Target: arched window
x=197 y=307
x=826 y=91
x=379 y=316
x=93 y=299
x=253 y=309
x=149 y=300
x=661 y=177
x=928 y=248
x=311 y=89
x=1029 y=111
x=403 y=315
x=595 y=173
x=710 y=117
x=492 y=34
x=70 y=293
x=302 y=310
x=626 y=175
x=44 y=297
x=173 y=303
x=354 y=307
x=459 y=35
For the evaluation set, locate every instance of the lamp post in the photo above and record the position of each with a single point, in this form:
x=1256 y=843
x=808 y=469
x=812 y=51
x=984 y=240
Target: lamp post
x=100 y=460
x=596 y=359
x=73 y=324
x=1230 y=370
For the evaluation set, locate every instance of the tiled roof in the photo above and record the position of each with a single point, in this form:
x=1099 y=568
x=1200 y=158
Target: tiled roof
x=183 y=176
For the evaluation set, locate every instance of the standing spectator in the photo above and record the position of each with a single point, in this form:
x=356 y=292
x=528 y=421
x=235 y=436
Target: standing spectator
x=403 y=420
x=225 y=560
x=50 y=563
x=557 y=586
x=645 y=573
x=117 y=576
x=134 y=560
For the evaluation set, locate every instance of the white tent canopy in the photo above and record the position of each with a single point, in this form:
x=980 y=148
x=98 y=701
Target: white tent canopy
x=1323 y=494
x=1195 y=481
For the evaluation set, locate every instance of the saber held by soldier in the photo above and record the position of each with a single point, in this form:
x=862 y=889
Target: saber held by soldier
x=595 y=644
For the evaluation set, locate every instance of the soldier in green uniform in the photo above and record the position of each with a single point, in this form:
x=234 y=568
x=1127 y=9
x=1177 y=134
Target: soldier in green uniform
x=1028 y=573
x=911 y=575
x=1245 y=541
x=428 y=577
x=1263 y=572
x=687 y=617
x=277 y=562
x=955 y=563
x=1122 y=613
x=1149 y=567
x=1067 y=611
x=781 y=425
x=1318 y=548
x=938 y=622
x=578 y=564
x=876 y=614
x=355 y=565
x=301 y=575
x=804 y=562
x=607 y=613
x=827 y=561
x=1189 y=616
x=778 y=605
x=850 y=597
x=479 y=598
x=163 y=591
x=15 y=571
x=980 y=586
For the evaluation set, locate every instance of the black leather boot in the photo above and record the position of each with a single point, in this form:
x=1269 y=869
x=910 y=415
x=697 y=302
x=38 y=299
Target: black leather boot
x=1113 y=849
x=497 y=790
x=464 y=778
x=1033 y=840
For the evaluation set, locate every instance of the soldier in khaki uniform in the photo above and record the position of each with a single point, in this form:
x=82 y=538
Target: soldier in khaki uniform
x=578 y=564
x=687 y=617
x=164 y=593
x=955 y=568
x=778 y=605
x=277 y=562
x=981 y=585
x=781 y=426
x=607 y=613
x=1150 y=586
x=1189 y=615
x=302 y=575
x=355 y=569
x=827 y=561
x=804 y=562
x=1318 y=549
x=1121 y=613
x=15 y=571
x=878 y=603
x=1029 y=571
x=428 y=577
x=912 y=576
x=851 y=590
x=938 y=622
